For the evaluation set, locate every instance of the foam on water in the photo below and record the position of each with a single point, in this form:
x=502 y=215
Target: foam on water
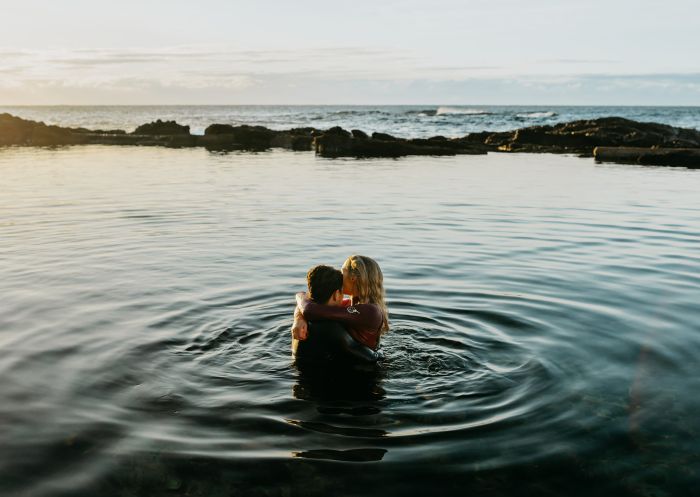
x=537 y=115
x=407 y=121
x=442 y=111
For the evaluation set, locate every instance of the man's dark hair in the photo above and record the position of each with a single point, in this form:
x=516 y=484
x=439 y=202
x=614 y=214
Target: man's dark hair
x=323 y=281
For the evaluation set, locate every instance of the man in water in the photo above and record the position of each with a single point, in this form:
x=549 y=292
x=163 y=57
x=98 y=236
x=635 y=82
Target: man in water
x=327 y=340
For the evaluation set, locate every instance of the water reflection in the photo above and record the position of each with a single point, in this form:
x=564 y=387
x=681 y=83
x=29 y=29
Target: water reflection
x=347 y=400
x=325 y=382
x=540 y=343
x=350 y=455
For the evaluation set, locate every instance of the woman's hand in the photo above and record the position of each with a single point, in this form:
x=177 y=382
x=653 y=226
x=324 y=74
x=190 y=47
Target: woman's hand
x=300 y=328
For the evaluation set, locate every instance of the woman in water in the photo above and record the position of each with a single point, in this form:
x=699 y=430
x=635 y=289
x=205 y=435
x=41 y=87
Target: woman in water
x=365 y=315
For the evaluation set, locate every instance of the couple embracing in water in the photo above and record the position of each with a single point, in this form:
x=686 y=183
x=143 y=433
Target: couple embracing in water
x=330 y=328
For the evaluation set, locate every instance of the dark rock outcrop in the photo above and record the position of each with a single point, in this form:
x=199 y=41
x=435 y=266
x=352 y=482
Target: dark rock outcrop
x=302 y=139
x=219 y=129
x=610 y=139
x=456 y=144
x=384 y=137
x=338 y=132
x=582 y=137
x=86 y=131
x=17 y=131
x=219 y=137
x=163 y=128
x=292 y=141
x=337 y=142
x=244 y=137
x=685 y=157
x=172 y=141
x=253 y=137
x=358 y=133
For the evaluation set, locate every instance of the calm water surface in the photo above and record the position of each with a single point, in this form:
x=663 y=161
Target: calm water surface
x=544 y=312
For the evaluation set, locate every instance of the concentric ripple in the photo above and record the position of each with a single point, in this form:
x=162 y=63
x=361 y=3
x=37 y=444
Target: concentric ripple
x=543 y=325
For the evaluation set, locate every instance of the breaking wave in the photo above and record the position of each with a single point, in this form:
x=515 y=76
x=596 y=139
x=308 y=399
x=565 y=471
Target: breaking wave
x=457 y=110
x=536 y=115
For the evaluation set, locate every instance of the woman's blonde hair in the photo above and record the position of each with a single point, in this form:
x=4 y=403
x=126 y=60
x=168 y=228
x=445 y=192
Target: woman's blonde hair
x=369 y=284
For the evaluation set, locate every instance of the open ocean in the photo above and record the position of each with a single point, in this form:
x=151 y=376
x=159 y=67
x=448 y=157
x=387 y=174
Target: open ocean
x=405 y=121
x=544 y=315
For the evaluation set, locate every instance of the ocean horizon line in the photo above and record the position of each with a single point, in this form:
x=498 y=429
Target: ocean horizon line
x=360 y=105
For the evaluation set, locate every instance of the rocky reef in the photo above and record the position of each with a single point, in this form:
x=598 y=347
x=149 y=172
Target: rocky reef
x=582 y=137
x=244 y=137
x=162 y=128
x=610 y=139
x=685 y=157
x=337 y=142
x=17 y=131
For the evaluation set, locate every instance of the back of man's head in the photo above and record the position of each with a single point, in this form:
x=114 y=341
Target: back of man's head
x=323 y=281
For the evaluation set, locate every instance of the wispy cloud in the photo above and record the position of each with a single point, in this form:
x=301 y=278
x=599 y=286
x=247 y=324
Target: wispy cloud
x=464 y=68
x=578 y=61
x=196 y=65
x=341 y=74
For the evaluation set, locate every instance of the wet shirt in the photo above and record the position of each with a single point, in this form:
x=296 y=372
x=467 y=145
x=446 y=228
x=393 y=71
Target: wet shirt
x=363 y=321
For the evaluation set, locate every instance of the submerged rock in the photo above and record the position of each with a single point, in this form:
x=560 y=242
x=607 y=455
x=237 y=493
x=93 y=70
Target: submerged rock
x=685 y=157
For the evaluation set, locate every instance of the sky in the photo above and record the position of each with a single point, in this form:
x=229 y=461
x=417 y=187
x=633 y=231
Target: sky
x=547 y=52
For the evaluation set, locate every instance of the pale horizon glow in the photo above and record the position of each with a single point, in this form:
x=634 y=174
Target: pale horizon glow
x=544 y=52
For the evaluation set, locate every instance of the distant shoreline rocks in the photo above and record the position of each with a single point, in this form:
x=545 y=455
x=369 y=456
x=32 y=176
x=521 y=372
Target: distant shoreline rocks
x=609 y=139
x=162 y=128
x=582 y=137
